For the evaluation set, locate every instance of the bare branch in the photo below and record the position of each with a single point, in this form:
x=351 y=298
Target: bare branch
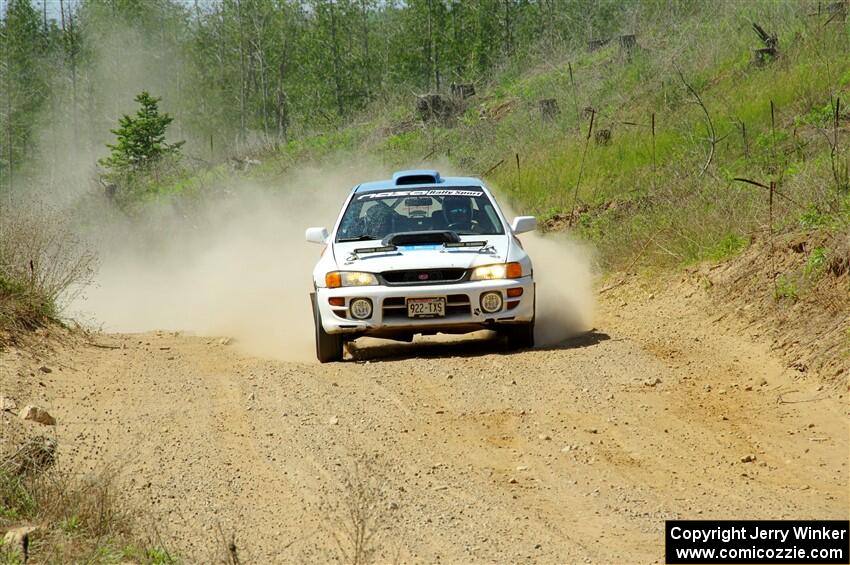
x=711 y=131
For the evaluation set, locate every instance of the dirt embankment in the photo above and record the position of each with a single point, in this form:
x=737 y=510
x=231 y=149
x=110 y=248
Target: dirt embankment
x=804 y=310
x=572 y=452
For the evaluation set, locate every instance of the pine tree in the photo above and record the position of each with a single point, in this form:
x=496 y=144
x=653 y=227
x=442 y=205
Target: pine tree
x=141 y=139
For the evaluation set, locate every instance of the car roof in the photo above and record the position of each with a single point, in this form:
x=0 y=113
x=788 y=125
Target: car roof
x=442 y=182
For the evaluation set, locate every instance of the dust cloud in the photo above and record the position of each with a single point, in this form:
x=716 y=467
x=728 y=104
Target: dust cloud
x=563 y=271
x=564 y=275
x=235 y=264
x=233 y=261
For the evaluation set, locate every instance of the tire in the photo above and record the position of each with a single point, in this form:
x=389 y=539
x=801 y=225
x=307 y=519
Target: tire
x=520 y=336
x=328 y=346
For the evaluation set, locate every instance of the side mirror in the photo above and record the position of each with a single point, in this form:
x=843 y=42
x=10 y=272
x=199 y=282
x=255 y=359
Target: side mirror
x=522 y=224
x=316 y=235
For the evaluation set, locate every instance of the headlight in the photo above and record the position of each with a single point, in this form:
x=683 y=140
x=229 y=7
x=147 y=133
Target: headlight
x=500 y=271
x=361 y=308
x=336 y=279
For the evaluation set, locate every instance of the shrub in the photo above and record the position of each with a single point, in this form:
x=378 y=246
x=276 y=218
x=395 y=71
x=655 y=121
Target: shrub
x=816 y=263
x=812 y=217
x=43 y=265
x=785 y=289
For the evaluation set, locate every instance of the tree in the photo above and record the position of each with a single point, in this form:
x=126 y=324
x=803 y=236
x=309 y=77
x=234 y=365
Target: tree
x=238 y=73
x=22 y=84
x=141 y=139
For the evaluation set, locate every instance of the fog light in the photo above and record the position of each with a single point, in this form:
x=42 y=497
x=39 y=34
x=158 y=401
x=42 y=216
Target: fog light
x=491 y=302
x=361 y=308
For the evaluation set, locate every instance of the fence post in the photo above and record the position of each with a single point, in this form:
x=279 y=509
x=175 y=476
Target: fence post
x=518 y=177
x=770 y=235
x=654 y=166
x=581 y=166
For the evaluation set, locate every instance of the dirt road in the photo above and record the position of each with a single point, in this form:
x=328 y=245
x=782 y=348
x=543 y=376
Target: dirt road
x=575 y=453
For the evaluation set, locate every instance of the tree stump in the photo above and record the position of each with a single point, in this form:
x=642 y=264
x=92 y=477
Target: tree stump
x=770 y=50
x=764 y=55
x=837 y=11
x=595 y=44
x=435 y=107
x=628 y=43
x=463 y=90
x=602 y=136
x=549 y=109
x=110 y=189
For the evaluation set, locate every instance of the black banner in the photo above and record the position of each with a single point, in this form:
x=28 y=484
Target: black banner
x=819 y=542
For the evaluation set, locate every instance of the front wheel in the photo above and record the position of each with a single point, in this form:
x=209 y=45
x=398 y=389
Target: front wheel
x=328 y=346
x=520 y=336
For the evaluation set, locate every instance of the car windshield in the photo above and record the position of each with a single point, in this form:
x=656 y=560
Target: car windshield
x=374 y=215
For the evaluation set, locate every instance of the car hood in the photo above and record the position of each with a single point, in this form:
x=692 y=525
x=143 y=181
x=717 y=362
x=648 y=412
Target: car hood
x=428 y=256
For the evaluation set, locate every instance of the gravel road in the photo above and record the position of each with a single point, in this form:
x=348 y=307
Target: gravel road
x=462 y=451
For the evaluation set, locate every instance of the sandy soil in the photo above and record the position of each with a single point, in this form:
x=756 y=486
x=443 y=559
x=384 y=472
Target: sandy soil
x=574 y=453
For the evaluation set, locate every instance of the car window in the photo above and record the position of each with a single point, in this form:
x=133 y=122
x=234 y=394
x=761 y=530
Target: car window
x=374 y=215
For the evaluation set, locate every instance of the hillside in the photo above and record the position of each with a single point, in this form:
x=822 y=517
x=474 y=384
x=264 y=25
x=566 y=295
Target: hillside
x=677 y=117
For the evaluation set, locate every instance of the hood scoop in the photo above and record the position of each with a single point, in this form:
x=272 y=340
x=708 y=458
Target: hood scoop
x=436 y=237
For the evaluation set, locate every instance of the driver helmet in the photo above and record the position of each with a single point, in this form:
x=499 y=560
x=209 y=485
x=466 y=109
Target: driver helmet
x=457 y=209
x=378 y=220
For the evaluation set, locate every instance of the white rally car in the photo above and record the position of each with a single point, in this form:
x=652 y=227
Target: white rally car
x=421 y=254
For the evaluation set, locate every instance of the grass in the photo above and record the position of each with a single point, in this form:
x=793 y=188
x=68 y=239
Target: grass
x=786 y=289
x=724 y=248
x=78 y=519
x=42 y=264
x=816 y=263
x=358 y=516
x=734 y=92
x=21 y=306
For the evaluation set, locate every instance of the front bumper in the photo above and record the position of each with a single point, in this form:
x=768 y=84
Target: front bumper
x=463 y=307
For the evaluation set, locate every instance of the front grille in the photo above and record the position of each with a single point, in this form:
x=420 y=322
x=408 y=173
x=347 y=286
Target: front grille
x=396 y=307
x=423 y=276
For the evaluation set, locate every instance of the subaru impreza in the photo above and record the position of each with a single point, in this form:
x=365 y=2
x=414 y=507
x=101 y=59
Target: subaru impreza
x=421 y=254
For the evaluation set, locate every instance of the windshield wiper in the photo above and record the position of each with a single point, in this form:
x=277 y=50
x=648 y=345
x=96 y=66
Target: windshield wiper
x=366 y=237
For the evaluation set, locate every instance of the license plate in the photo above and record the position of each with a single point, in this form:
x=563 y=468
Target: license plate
x=426 y=307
